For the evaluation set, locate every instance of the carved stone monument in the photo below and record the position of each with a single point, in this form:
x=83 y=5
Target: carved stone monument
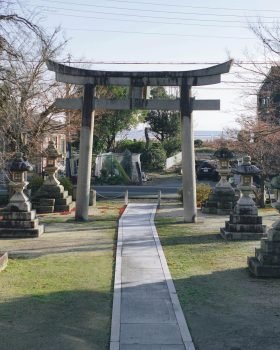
x=266 y=262
x=17 y=219
x=51 y=197
x=223 y=199
x=244 y=223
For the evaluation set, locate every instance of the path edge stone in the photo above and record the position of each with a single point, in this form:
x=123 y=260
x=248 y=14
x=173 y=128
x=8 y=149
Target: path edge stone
x=116 y=310
x=184 y=329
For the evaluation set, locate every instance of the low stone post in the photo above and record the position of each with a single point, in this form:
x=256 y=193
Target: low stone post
x=126 y=197
x=93 y=198
x=159 y=198
x=266 y=262
x=244 y=222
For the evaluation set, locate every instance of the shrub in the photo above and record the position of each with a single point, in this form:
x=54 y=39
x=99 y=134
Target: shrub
x=202 y=193
x=154 y=157
x=35 y=182
x=198 y=143
x=132 y=146
x=172 y=146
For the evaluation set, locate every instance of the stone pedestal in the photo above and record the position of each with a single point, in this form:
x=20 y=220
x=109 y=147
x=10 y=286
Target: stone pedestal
x=16 y=224
x=223 y=198
x=244 y=223
x=266 y=262
x=220 y=202
x=17 y=220
x=51 y=197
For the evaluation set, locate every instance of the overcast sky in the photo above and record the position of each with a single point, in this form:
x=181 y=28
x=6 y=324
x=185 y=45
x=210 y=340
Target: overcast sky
x=160 y=31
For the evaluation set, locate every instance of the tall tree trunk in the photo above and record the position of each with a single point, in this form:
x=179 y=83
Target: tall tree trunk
x=262 y=196
x=146 y=131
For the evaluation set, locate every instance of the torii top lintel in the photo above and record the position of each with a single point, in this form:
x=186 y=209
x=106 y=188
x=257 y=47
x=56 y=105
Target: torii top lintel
x=198 y=77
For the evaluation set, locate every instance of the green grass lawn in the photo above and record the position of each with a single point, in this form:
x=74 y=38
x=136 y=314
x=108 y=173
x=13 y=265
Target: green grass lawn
x=62 y=300
x=224 y=306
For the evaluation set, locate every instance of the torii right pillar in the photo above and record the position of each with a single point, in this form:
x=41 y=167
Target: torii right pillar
x=207 y=76
x=188 y=155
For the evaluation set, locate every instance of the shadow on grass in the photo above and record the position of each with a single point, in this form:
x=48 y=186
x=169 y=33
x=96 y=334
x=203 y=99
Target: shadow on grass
x=192 y=239
x=231 y=310
x=62 y=320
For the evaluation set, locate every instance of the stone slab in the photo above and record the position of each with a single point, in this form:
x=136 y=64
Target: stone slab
x=19 y=223
x=44 y=209
x=21 y=233
x=240 y=236
x=268 y=246
x=164 y=334
x=147 y=309
x=246 y=219
x=133 y=250
x=61 y=208
x=153 y=347
x=63 y=201
x=259 y=270
x=46 y=201
x=18 y=215
x=141 y=262
x=246 y=228
x=267 y=259
x=141 y=275
x=158 y=290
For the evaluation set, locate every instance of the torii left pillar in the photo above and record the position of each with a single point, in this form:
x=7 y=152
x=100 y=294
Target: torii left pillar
x=85 y=153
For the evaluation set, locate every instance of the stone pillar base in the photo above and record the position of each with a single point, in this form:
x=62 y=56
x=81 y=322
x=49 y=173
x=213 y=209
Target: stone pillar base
x=243 y=227
x=20 y=225
x=266 y=262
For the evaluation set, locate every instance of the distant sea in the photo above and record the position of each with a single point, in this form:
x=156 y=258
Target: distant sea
x=138 y=134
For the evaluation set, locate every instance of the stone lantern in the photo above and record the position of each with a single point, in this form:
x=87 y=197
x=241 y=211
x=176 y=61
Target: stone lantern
x=222 y=200
x=224 y=155
x=244 y=222
x=51 y=154
x=266 y=262
x=19 y=201
x=18 y=220
x=246 y=170
x=52 y=197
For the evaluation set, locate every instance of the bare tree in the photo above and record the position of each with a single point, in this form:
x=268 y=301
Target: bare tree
x=255 y=139
x=27 y=91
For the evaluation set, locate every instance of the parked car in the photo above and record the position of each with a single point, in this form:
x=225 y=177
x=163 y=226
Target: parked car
x=207 y=170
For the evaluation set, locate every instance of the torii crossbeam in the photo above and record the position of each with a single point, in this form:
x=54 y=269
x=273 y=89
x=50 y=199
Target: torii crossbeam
x=138 y=83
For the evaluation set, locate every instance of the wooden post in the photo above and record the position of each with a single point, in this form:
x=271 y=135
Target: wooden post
x=188 y=155
x=85 y=154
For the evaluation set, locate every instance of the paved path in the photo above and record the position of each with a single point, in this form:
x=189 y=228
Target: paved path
x=146 y=312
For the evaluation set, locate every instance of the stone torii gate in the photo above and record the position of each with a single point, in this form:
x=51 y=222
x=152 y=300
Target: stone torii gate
x=137 y=99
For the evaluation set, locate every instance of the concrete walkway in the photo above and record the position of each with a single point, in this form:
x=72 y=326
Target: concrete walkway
x=146 y=311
